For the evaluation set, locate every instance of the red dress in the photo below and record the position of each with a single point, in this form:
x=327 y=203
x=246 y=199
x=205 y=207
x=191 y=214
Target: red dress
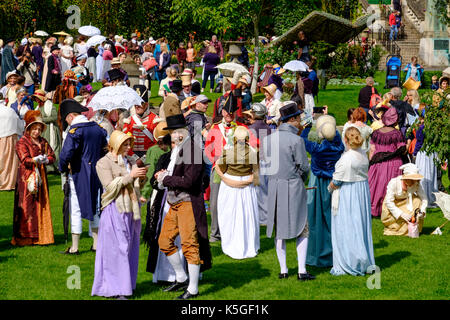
x=32 y=217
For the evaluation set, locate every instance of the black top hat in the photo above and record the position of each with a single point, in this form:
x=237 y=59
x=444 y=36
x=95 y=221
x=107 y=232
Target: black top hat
x=54 y=47
x=230 y=105
x=115 y=74
x=70 y=106
x=288 y=111
x=175 y=122
x=9 y=40
x=176 y=85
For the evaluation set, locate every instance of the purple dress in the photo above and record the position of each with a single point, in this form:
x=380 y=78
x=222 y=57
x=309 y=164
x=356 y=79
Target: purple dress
x=381 y=173
x=117 y=256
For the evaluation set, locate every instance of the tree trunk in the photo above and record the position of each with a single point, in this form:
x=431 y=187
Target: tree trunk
x=256 y=64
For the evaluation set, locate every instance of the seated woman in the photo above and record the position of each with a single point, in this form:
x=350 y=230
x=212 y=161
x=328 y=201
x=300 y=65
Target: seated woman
x=32 y=217
x=237 y=203
x=117 y=257
x=404 y=195
x=351 y=224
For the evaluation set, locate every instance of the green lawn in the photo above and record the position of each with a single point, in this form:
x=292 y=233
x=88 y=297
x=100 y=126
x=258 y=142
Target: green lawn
x=410 y=268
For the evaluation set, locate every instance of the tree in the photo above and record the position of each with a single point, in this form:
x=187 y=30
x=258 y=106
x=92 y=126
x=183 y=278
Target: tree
x=220 y=16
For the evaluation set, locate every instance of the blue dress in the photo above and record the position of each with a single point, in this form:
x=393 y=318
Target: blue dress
x=351 y=230
x=323 y=159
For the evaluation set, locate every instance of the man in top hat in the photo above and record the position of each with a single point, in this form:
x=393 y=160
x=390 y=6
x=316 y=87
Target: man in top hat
x=186 y=83
x=187 y=216
x=83 y=146
x=287 y=168
x=54 y=70
x=115 y=64
x=8 y=61
x=171 y=104
x=195 y=84
x=141 y=126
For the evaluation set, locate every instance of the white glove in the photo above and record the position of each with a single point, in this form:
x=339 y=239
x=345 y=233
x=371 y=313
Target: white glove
x=45 y=159
x=39 y=159
x=406 y=217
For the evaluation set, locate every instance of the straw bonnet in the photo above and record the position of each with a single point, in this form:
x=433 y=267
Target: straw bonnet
x=326 y=127
x=410 y=172
x=115 y=60
x=187 y=103
x=117 y=138
x=241 y=133
x=39 y=94
x=278 y=70
x=270 y=89
x=159 y=131
x=33 y=116
x=10 y=74
x=245 y=79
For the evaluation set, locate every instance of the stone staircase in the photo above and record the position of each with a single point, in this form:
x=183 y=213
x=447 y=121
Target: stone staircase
x=408 y=38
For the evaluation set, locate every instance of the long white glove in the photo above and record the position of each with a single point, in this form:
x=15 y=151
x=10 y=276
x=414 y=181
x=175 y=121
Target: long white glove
x=406 y=217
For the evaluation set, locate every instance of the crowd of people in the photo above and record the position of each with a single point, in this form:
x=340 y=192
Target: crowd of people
x=250 y=163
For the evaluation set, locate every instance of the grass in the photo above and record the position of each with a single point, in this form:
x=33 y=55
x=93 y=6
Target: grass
x=410 y=268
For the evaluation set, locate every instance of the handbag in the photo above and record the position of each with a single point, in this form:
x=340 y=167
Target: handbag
x=413 y=229
x=34 y=181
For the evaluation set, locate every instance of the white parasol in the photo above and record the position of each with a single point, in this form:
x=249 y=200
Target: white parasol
x=115 y=97
x=95 y=40
x=443 y=201
x=89 y=31
x=41 y=33
x=231 y=66
x=296 y=66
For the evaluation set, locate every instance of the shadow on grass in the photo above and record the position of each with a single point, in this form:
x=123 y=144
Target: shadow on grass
x=387 y=260
x=233 y=274
x=147 y=287
x=428 y=230
x=380 y=244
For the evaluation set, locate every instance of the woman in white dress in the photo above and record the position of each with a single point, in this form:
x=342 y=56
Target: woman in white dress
x=66 y=55
x=99 y=64
x=237 y=202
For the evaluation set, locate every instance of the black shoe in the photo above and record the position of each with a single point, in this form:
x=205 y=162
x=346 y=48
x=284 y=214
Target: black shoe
x=283 y=276
x=67 y=251
x=305 y=276
x=187 y=295
x=176 y=286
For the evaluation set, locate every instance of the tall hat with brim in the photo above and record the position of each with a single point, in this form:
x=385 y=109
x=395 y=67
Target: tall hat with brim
x=176 y=86
x=54 y=47
x=159 y=131
x=230 y=105
x=115 y=74
x=326 y=127
x=186 y=79
x=32 y=117
x=278 y=70
x=289 y=110
x=390 y=117
x=117 y=138
x=175 y=122
x=271 y=88
x=40 y=94
x=410 y=172
x=70 y=106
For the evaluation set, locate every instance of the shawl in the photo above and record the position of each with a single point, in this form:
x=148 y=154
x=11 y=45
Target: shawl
x=123 y=194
